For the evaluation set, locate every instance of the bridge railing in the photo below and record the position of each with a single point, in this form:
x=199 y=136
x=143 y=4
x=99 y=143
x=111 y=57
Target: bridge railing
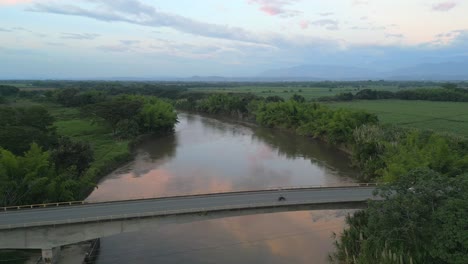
x=32 y=206
x=135 y=198
x=199 y=210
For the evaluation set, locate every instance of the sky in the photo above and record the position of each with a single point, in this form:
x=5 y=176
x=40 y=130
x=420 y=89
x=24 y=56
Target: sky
x=181 y=38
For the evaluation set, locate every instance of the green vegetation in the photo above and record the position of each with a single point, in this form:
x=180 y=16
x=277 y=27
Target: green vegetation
x=8 y=90
x=52 y=153
x=449 y=92
x=314 y=120
x=417 y=150
x=422 y=219
x=23 y=125
x=289 y=90
x=17 y=256
x=35 y=177
x=442 y=117
x=386 y=153
x=108 y=152
x=382 y=153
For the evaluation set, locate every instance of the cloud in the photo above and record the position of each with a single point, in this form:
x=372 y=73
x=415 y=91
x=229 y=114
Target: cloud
x=359 y=28
x=276 y=7
x=304 y=24
x=56 y=44
x=82 y=36
x=139 y=13
x=5 y=30
x=369 y=27
x=360 y=2
x=394 y=36
x=114 y=48
x=444 y=6
x=326 y=14
x=329 y=24
x=14 y=2
x=21 y=29
x=455 y=36
x=129 y=42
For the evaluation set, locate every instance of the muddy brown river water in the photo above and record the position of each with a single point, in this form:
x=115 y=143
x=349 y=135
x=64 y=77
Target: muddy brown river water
x=207 y=155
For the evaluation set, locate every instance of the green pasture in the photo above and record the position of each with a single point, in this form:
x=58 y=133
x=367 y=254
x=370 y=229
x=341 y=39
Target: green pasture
x=288 y=91
x=445 y=117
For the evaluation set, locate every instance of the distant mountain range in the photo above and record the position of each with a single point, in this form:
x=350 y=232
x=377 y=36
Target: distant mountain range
x=443 y=71
x=440 y=71
x=428 y=71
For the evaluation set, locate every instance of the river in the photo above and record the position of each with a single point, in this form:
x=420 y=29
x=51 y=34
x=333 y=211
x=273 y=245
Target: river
x=207 y=155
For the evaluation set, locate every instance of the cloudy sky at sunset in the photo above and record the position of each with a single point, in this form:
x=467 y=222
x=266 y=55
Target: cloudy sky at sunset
x=150 y=38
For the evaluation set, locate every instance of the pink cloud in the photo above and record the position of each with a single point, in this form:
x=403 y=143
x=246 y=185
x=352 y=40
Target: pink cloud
x=444 y=6
x=304 y=24
x=14 y=2
x=271 y=10
x=275 y=7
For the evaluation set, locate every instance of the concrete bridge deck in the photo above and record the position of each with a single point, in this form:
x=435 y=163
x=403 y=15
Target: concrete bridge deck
x=49 y=228
x=181 y=204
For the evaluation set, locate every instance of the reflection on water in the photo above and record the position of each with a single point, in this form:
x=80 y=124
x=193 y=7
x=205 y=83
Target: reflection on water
x=209 y=155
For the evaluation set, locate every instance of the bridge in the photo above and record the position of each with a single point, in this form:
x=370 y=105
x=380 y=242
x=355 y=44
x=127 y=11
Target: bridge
x=50 y=226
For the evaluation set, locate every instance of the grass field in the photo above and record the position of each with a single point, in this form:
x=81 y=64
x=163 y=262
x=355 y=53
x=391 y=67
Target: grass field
x=106 y=149
x=287 y=92
x=448 y=117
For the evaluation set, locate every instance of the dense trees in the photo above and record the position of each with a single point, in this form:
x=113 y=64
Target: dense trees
x=310 y=119
x=37 y=165
x=449 y=92
x=32 y=178
x=298 y=98
x=422 y=219
x=155 y=116
x=113 y=111
x=388 y=152
x=76 y=97
x=129 y=116
x=8 y=90
x=72 y=155
x=23 y=125
x=238 y=105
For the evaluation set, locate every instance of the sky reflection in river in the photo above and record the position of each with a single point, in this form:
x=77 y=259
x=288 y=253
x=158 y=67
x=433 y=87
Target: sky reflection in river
x=207 y=155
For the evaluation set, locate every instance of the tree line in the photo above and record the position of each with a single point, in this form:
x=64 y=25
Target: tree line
x=449 y=92
x=38 y=165
x=422 y=218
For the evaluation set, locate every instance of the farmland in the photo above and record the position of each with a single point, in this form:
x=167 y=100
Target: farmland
x=290 y=89
x=444 y=117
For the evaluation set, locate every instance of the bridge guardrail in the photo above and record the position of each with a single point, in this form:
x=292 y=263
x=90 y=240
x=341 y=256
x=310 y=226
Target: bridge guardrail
x=164 y=213
x=44 y=205
x=32 y=206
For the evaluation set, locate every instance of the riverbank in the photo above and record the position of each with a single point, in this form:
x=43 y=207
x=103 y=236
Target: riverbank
x=250 y=121
x=109 y=153
x=382 y=153
x=207 y=154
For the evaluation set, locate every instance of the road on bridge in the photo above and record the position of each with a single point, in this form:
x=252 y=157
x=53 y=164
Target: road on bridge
x=237 y=200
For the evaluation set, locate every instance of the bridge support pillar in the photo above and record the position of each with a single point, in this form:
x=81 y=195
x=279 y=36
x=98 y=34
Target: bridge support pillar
x=50 y=255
